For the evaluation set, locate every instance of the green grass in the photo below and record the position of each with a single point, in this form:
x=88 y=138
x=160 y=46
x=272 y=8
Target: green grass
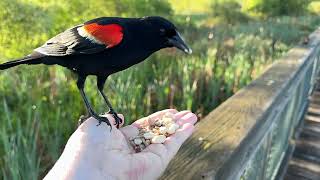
x=40 y=105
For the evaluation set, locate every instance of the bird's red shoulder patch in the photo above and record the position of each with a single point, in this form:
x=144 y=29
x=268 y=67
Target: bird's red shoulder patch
x=110 y=34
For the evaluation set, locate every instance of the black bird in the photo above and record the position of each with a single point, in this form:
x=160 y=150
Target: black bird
x=104 y=46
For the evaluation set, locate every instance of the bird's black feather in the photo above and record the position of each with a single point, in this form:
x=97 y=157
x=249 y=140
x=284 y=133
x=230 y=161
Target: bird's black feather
x=69 y=43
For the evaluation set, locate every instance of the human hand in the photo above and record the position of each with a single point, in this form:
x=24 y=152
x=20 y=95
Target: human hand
x=95 y=152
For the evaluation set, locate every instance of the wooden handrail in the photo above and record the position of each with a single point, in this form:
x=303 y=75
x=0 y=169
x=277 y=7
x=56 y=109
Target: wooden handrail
x=248 y=135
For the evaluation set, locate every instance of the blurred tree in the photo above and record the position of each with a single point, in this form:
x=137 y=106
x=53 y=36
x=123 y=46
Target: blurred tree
x=276 y=7
x=314 y=7
x=139 y=8
x=229 y=11
x=188 y=7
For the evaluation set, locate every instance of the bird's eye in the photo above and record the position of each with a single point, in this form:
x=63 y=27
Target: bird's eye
x=162 y=32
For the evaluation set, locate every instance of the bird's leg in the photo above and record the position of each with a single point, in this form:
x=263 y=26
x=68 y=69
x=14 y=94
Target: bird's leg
x=80 y=84
x=111 y=111
x=100 y=83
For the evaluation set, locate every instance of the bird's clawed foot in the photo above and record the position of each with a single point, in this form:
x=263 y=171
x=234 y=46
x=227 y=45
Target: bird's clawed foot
x=99 y=118
x=117 y=119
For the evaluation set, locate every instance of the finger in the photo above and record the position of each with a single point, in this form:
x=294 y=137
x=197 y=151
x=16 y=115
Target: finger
x=112 y=120
x=174 y=142
x=145 y=121
x=187 y=118
x=180 y=114
x=161 y=113
x=156 y=116
x=129 y=131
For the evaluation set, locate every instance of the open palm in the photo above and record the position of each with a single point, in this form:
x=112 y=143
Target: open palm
x=95 y=152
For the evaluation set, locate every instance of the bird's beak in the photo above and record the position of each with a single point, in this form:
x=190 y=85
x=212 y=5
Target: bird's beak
x=178 y=42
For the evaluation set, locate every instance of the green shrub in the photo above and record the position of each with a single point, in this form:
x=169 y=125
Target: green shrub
x=229 y=11
x=276 y=7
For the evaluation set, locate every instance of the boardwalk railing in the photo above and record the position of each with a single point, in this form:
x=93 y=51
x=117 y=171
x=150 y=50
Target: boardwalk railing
x=249 y=135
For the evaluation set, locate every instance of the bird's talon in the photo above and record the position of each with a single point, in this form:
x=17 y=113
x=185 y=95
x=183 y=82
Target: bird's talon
x=117 y=119
x=99 y=123
x=101 y=119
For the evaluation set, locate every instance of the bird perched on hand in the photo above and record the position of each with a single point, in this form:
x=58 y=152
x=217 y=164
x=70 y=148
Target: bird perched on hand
x=104 y=46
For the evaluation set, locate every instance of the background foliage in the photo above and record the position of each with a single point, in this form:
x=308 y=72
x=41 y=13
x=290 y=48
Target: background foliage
x=233 y=42
x=276 y=7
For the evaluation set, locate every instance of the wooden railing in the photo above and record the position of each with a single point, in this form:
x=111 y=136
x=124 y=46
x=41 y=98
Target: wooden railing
x=249 y=135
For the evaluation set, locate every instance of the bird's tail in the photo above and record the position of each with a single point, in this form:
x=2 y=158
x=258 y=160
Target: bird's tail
x=25 y=60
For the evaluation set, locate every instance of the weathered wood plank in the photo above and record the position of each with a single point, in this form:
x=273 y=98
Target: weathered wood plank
x=314 y=111
x=312 y=118
x=315 y=106
x=225 y=140
x=304 y=169
x=312 y=134
x=308 y=150
x=294 y=177
x=311 y=131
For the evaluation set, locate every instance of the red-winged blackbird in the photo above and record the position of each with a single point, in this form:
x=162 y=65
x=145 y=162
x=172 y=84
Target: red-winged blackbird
x=104 y=46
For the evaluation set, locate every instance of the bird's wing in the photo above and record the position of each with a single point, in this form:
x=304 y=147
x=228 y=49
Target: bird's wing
x=87 y=38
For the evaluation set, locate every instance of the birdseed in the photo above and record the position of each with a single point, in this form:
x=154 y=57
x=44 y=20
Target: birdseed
x=155 y=133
